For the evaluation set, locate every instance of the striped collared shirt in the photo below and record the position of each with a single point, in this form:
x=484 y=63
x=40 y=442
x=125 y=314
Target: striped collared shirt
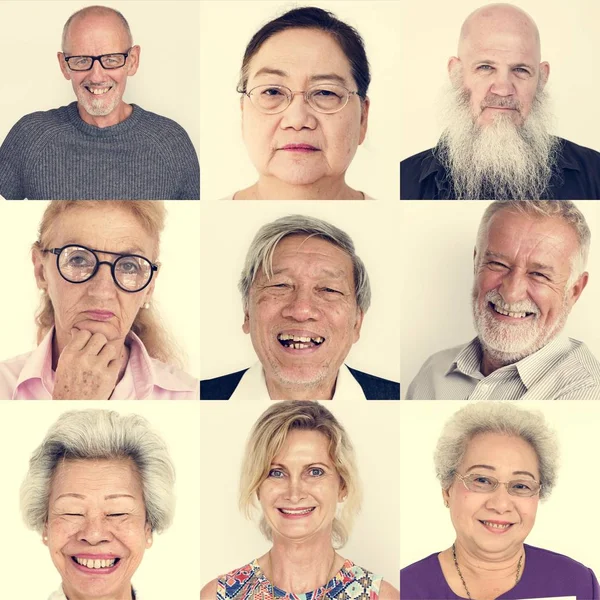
x=563 y=369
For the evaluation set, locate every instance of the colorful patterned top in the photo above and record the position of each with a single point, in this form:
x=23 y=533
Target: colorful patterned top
x=249 y=583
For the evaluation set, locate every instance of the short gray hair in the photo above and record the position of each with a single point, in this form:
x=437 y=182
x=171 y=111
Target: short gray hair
x=563 y=209
x=99 y=10
x=260 y=253
x=496 y=417
x=96 y=434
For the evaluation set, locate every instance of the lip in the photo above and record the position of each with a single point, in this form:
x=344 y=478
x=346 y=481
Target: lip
x=99 y=315
x=493 y=529
x=299 y=148
x=298 y=516
x=299 y=333
x=101 y=571
x=507 y=318
x=500 y=108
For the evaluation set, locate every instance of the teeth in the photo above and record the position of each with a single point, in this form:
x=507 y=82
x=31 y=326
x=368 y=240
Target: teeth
x=295 y=512
x=95 y=564
x=514 y=315
x=300 y=339
x=98 y=91
x=497 y=525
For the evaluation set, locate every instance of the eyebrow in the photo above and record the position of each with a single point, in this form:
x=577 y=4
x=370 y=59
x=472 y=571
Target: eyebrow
x=337 y=274
x=313 y=78
x=82 y=497
x=511 y=65
x=315 y=464
x=535 y=265
x=494 y=468
x=129 y=250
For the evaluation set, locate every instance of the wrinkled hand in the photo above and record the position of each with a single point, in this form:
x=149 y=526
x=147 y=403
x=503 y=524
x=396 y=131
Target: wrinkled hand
x=88 y=367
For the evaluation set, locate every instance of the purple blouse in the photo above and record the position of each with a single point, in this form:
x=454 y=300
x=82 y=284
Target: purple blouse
x=546 y=574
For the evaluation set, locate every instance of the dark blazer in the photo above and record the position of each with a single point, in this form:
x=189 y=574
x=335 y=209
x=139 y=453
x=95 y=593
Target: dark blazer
x=374 y=388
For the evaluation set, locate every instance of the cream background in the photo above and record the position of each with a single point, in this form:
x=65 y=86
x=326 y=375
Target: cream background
x=230 y=541
x=438 y=238
x=566 y=522
x=226 y=233
x=170 y=566
x=177 y=290
x=167 y=81
x=428 y=37
x=226 y=29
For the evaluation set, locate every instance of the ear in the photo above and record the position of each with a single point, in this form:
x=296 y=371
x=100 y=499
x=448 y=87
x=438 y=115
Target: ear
x=364 y=119
x=578 y=288
x=45 y=535
x=358 y=324
x=246 y=324
x=343 y=493
x=446 y=497
x=148 y=535
x=453 y=62
x=62 y=63
x=134 y=60
x=544 y=72
x=39 y=269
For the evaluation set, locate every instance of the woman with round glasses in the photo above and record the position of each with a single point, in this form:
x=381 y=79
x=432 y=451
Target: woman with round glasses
x=304 y=82
x=95 y=265
x=495 y=462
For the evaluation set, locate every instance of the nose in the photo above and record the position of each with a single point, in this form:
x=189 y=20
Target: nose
x=295 y=489
x=97 y=73
x=102 y=285
x=94 y=530
x=298 y=115
x=499 y=500
x=513 y=287
x=502 y=84
x=301 y=306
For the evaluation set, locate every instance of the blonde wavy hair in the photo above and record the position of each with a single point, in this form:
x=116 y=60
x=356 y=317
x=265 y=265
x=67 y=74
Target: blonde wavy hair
x=268 y=437
x=147 y=324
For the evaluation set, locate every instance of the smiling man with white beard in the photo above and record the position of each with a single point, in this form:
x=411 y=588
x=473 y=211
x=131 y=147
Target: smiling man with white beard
x=496 y=142
x=529 y=271
x=99 y=147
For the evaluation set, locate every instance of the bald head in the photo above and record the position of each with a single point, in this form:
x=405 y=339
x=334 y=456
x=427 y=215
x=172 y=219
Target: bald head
x=507 y=19
x=92 y=15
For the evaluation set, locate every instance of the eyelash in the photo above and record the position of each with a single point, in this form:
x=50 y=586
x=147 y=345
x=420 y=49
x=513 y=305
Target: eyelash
x=521 y=70
x=272 y=471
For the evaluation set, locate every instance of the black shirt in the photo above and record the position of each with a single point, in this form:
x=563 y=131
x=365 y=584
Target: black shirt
x=575 y=177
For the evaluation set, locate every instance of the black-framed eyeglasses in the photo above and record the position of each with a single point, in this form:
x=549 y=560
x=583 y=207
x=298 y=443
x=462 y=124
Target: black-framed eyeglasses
x=108 y=61
x=525 y=488
x=78 y=264
x=325 y=98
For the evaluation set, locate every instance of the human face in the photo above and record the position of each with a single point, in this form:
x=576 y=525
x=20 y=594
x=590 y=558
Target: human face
x=97 y=305
x=499 y=68
x=96 y=512
x=311 y=295
x=300 y=495
x=495 y=524
x=99 y=91
x=523 y=268
x=301 y=146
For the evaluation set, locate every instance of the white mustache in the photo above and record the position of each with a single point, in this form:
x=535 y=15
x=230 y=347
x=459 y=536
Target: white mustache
x=527 y=305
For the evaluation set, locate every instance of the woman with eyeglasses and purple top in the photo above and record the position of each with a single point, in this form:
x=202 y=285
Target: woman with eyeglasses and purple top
x=495 y=462
x=99 y=338
x=303 y=86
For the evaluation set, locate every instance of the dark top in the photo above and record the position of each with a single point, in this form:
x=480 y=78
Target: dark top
x=55 y=155
x=374 y=388
x=546 y=574
x=575 y=177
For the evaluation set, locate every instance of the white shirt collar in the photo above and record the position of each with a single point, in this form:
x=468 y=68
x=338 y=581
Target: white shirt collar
x=253 y=387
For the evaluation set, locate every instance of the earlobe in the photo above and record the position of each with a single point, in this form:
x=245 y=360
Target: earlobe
x=544 y=72
x=246 y=324
x=364 y=119
x=579 y=286
x=134 y=57
x=358 y=324
x=38 y=269
x=453 y=62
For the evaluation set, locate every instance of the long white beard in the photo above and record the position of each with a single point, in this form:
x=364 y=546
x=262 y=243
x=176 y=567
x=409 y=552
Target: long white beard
x=500 y=161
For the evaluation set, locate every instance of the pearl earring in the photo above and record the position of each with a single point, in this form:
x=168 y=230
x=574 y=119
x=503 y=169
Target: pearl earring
x=146 y=305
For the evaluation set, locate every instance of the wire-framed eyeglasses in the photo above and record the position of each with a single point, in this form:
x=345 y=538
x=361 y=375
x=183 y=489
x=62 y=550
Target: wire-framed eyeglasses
x=485 y=484
x=108 y=61
x=78 y=264
x=325 y=98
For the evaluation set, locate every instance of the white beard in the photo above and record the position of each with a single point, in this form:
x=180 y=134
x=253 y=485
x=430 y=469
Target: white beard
x=500 y=161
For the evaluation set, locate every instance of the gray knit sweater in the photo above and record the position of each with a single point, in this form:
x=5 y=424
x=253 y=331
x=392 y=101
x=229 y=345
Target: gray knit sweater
x=55 y=155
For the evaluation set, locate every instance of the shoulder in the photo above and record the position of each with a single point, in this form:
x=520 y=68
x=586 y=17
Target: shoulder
x=417 y=160
x=160 y=123
x=220 y=388
x=173 y=378
x=441 y=361
x=376 y=388
x=209 y=591
x=40 y=124
x=388 y=592
x=10 y=371
x=579 y=371
x=230 y=584
x=580 y=154
x=422 y=579
x=425 y=565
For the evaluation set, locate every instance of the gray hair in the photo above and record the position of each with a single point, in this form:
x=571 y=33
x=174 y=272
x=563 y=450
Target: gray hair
x=99 y=10
x=496 y=417
x=95 y=434
x=563 y=209
x=260 y=253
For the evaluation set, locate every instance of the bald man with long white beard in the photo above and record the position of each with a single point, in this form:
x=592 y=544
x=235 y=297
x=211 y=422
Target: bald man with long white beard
x=496 y=142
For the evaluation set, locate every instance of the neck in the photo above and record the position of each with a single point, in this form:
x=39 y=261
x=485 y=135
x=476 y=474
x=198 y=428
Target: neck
x=477 y=566
x=118 y=115
x=303 y=566
x=271 y=188
x=488 y=365
x=283 y=391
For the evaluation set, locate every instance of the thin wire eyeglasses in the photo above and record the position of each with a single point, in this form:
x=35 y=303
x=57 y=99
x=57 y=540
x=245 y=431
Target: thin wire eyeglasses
x=326 y=98
x=115 y=60
x=78 y=264
x=524 y=488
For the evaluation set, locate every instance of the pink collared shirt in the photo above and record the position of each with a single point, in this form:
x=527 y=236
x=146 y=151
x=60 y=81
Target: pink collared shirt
x=30 y=376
